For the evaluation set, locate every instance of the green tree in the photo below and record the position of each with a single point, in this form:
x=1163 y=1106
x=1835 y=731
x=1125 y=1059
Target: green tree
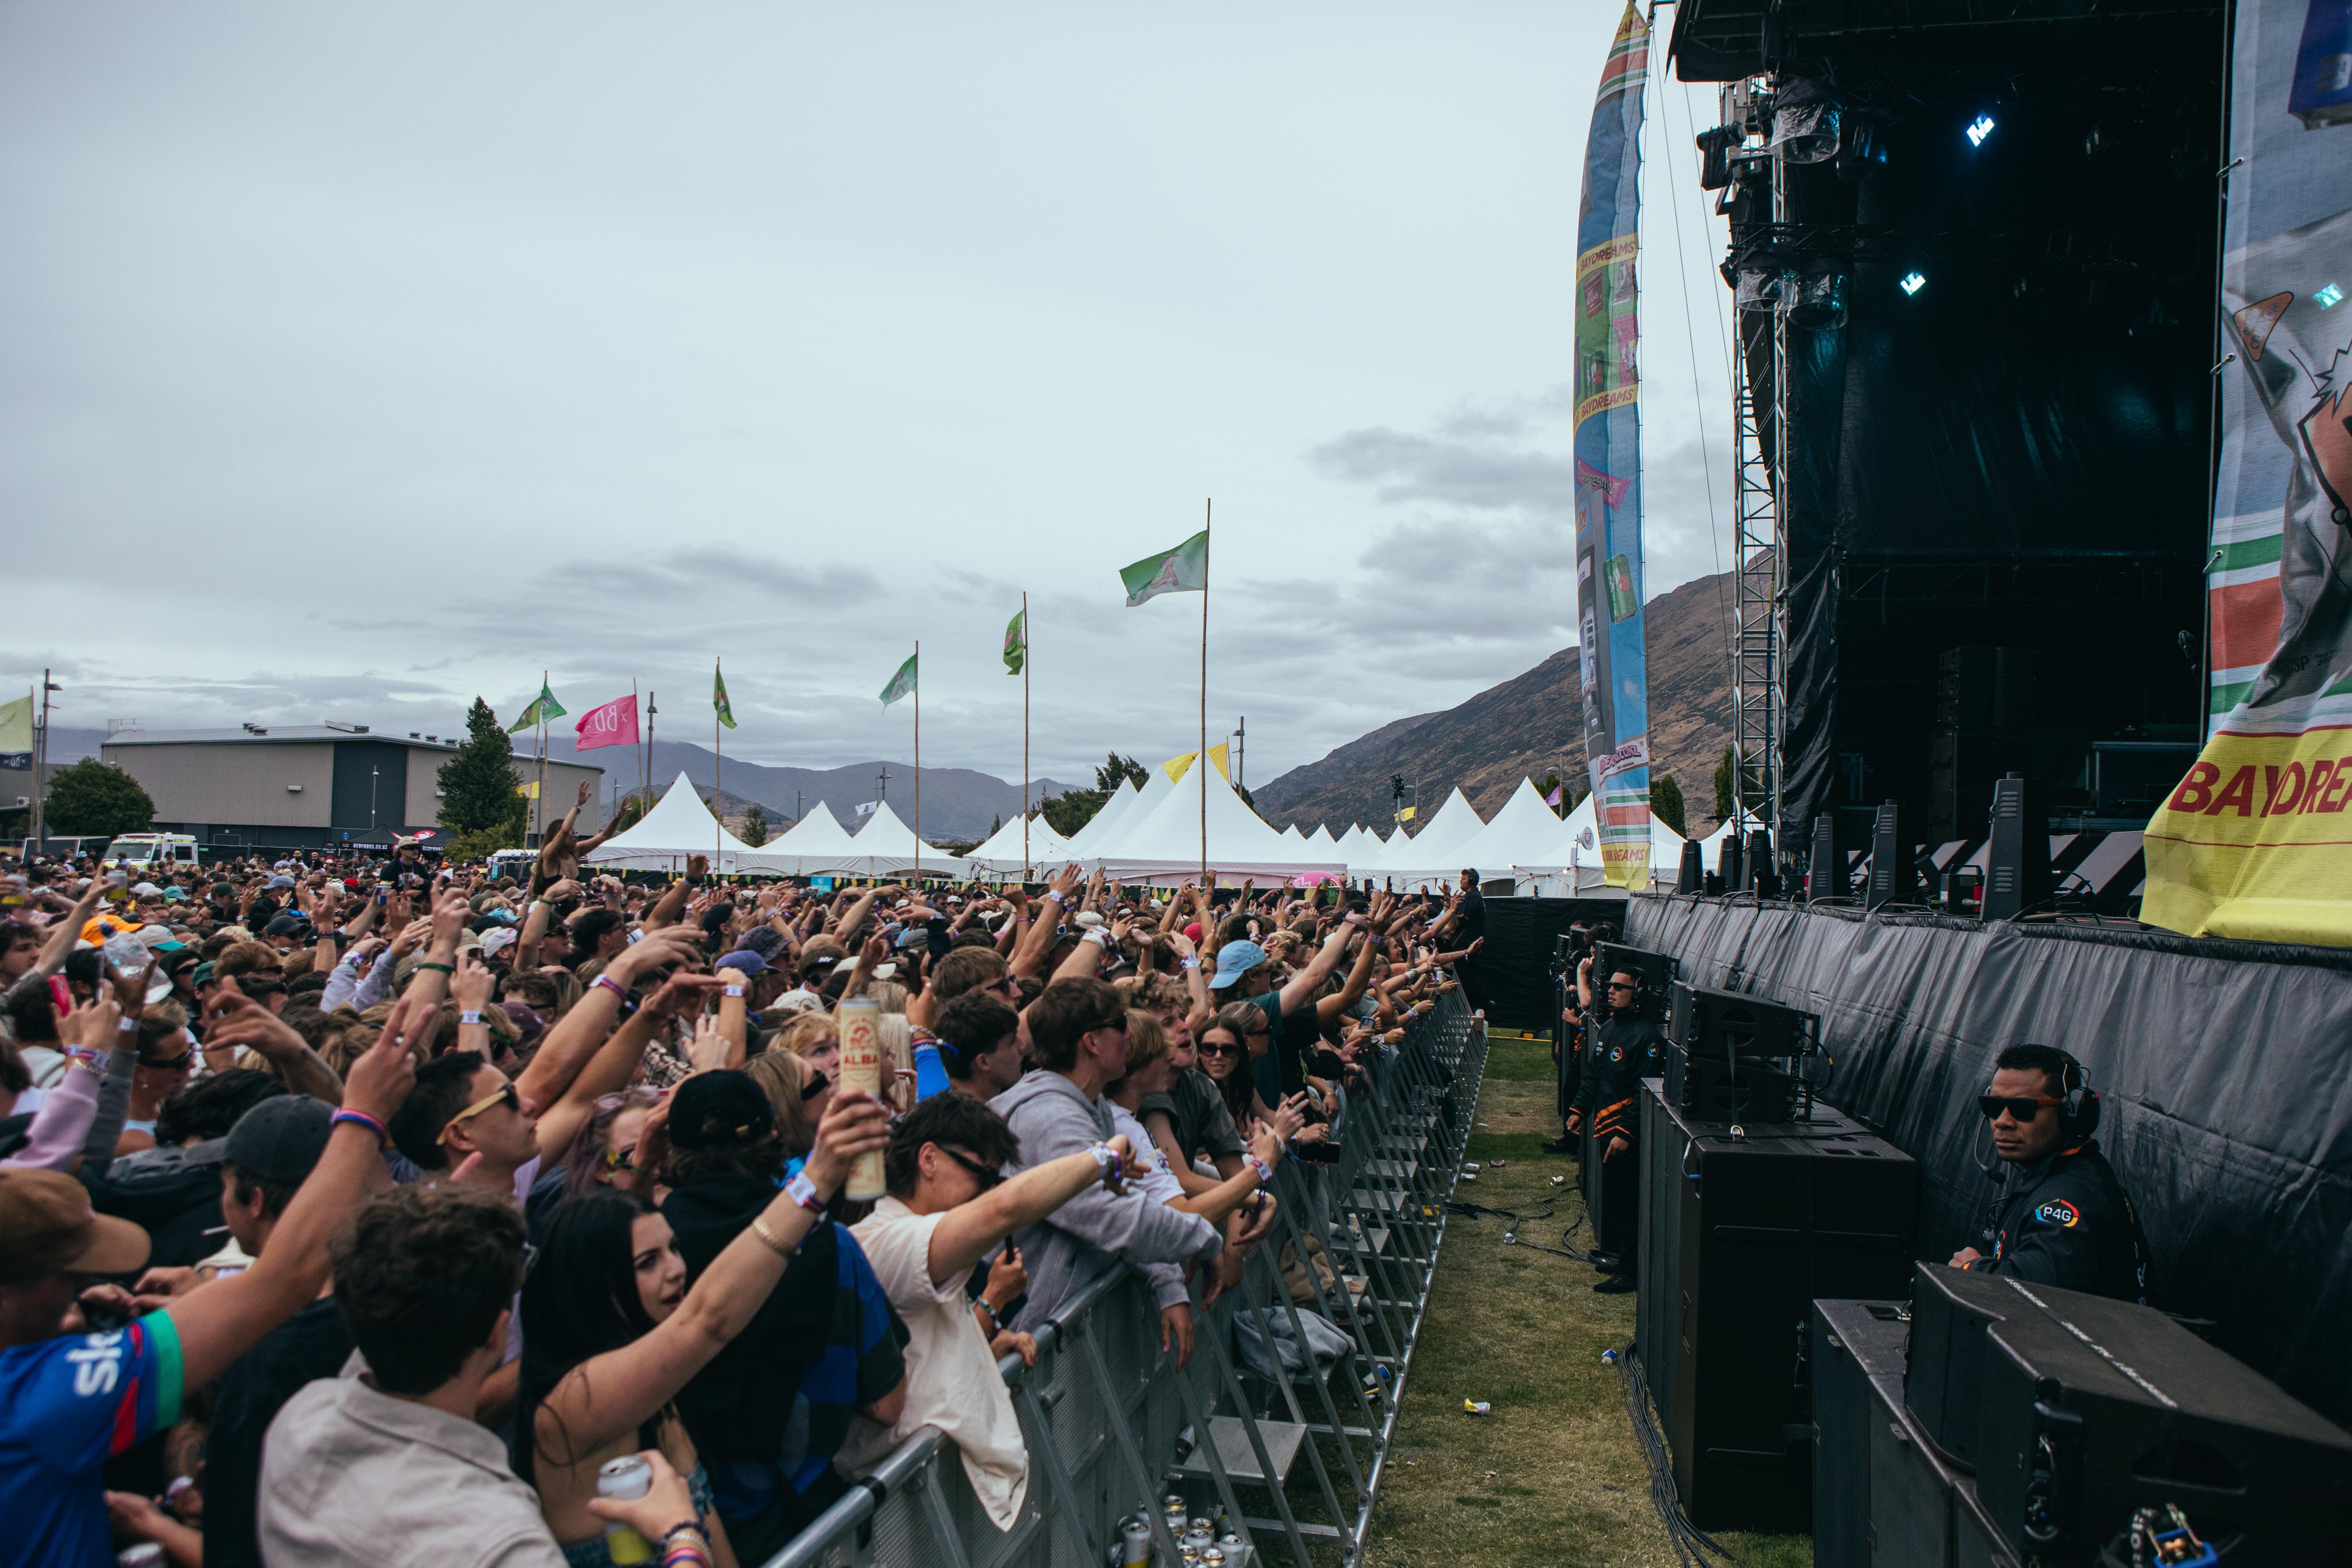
x=1727 y=773
x=1117 y=769
x=995 y=825
x=1071 y=810
x=95 y=798
x=480 y=804
x=755 y=826
x=1666 y=802
x=631 y=811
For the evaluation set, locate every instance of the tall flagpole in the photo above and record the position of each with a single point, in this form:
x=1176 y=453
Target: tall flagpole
x=1208 y=510
x=542 y=761
x=918 y=763
x=717 y=777
x=1026 y=647
x=641 y=739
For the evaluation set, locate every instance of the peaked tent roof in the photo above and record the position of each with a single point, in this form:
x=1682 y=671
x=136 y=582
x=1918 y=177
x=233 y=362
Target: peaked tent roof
x=1002 y=853
x=888 y=848
x=1165 y=846
x=1122 y=800
x=1524 y=833
x=1455 y=824
x=1321 y=838
x=677 y=828
x=815 y=845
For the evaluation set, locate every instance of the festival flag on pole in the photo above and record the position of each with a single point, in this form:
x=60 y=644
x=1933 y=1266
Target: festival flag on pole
x=614 y=724
x=1217 y=755
x=1177 y=767
x=543 y=707
x=1016 y=642
x=719 y=698
x=17 y=733
x=1183 y=570
x=1553 y=800
x=902 y=685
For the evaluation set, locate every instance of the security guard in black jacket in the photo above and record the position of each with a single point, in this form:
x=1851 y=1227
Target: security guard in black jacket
x=2062 y=1217
x=1626 y=1046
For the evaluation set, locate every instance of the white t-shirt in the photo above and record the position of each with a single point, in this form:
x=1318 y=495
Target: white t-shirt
x=953 y=1383
x=1160 y=1184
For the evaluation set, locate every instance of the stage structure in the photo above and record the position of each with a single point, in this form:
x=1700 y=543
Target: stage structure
x=1973 y=264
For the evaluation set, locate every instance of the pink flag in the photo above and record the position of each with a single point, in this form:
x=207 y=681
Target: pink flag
x=1552 y=799
x=614 y=724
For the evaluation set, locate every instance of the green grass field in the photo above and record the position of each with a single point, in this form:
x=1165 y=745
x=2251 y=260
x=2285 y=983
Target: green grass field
x=1554 y=1478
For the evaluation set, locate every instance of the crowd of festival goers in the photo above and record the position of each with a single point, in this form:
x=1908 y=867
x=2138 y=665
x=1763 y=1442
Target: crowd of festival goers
x=364 y=1209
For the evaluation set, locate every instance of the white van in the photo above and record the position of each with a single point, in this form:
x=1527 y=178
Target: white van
x=150 y=852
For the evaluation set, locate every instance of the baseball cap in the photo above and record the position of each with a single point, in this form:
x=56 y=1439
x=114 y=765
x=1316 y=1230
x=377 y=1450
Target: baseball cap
x=914 y=936
x=723 y=1110
x=816 y=963
x=1234 y=959
x=498 y=941
x=144 y=889
x=280 y=1140
x=204 y=975
x=277 y=882
x=47 y=1224
x=283 y=925
x=743 y=958
x=528 y=1026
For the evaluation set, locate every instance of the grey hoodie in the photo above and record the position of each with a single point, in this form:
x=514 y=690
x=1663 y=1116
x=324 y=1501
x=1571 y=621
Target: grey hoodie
x=1085 y=1236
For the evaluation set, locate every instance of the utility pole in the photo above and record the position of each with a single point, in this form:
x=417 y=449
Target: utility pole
x=1240 y=753
x=41 y=767
x=882 y=787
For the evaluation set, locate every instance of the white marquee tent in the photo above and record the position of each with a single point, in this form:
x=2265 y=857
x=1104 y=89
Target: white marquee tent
x=815 y=845
x=885 y=846
x=678 y=827
x=1048 y=851
x=1164 y=847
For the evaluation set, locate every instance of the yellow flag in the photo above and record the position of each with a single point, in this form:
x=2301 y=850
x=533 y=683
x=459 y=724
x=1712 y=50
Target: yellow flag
x=1177 y=767
x=1405 y=814
x=528 y=791
x=1217 y=755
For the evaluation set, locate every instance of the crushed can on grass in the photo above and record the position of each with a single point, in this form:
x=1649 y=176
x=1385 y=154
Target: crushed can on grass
x=1477 y=1406
x=1609 y=1357
x=1495 y=1164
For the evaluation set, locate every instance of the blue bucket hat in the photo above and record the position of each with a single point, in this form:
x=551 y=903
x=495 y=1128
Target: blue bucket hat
x=1234 y=959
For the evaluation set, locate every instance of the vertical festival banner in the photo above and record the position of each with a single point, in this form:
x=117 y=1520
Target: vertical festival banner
x=2256 y=841
x=1608 y=464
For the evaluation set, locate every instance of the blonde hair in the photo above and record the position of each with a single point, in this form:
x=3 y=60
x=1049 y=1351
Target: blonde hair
x=800 y=1035
x=782 y=1076
x=1147 y=1042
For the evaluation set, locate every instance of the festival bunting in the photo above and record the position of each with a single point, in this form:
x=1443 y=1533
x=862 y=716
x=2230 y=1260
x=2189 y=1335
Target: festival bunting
x=902 y=685
x=1016 y=642
x=1183 y=570
x=543 y=707
x=719 y=697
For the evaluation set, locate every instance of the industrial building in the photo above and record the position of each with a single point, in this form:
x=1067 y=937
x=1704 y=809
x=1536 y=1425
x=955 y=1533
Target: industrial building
x=306 y=786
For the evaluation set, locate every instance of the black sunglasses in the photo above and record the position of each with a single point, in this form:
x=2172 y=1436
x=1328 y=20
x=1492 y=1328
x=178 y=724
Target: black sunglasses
x=1221 y=1048
x=2025 y=1109
x=986 y=1176
x=1118 y=1023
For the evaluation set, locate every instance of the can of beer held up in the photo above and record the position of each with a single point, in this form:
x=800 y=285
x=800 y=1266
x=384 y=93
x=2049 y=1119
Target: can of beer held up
x=858 y=1020
x=625 y=1479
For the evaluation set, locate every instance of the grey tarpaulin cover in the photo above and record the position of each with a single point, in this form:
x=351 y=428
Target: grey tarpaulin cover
x=2226 y=1068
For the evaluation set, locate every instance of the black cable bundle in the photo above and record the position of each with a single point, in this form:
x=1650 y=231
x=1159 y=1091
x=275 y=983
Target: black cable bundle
x=1511 y=1231
x=1694 y=1548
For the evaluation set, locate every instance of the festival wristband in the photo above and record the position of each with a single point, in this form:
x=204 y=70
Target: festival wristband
x=1191 y=964
x=435 y=963
x=803 y=1190
x=732 y=991
x=1055 y=896
x=362 y=1119
x=1265 y=1172
x=470 y=1016
x=615 y=986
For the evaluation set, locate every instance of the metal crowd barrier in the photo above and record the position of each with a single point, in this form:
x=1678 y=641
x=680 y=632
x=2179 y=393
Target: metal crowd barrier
x=1113 y=1427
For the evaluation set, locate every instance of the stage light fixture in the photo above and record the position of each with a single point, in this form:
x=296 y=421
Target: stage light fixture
x=2329 y=296
x=1912 y=282
x=1979 y=129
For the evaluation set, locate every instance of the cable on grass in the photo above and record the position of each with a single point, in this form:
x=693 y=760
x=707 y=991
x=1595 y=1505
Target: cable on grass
x=1694 y=1548
x=1511 y=1231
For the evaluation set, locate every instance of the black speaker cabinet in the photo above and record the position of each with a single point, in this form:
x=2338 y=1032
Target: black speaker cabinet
x=1712 y=1089
x=2089 y=1409
x=2017 y=862
x=1825 y=870
x=1690 y=872
x=1740 y=1236
x=1763 y=877
x=1883 y=1497
x=1733 y=1024
x=1894 y=877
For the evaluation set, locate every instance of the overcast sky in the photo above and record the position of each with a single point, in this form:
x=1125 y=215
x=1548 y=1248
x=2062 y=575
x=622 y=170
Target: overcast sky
x=356 y=360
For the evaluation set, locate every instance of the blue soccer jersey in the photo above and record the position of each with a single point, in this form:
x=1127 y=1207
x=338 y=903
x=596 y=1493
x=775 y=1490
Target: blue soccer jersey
x=66 y=1406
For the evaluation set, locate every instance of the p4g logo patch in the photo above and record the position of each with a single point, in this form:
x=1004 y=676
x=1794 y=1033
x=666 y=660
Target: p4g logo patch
x=2057 y=1211
x=1616 y=1053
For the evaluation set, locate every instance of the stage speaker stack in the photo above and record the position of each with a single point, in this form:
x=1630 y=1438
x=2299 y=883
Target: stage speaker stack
x=2077 y=1411
x=1732 y=1058
x=2017 y=870
x=1690 y=875
x=1893 y=875
x=1760 y=878
x=1738 y=1235
x=1826 y=872
x=1728 y=863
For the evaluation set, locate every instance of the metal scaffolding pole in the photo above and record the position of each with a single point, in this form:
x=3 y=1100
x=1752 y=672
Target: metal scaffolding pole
x=1759 y=491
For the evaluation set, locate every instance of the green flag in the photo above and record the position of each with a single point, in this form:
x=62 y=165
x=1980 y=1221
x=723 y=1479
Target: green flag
x=1016 y=642
x=1183 y=570
x=543 y=707
x=901 y=684
x=719 y=698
